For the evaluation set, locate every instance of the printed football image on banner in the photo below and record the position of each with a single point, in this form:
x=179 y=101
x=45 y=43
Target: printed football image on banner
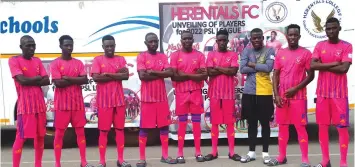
x=203 y=20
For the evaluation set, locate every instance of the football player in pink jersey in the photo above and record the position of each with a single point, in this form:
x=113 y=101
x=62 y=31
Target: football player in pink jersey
x=29 y=75
x=292 y=73
x=68 y=74
x=189 y=74
x=332 y=58
x=222 y=66
x=152 y=68
x=108 y=71
x=274 y=43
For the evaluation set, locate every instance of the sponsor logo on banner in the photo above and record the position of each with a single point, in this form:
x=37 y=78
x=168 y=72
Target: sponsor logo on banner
x=276 y=12
x=316 y=15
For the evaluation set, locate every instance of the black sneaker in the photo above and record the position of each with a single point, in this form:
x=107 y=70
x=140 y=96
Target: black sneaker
x=123 y=164
x=200 y=158
x=180 y=160
x=210 y=157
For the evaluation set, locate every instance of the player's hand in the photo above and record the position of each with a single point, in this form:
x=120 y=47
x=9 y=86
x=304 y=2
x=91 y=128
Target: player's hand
x=278 y=101
x=105 y=74
x=290 y=92
x=150 y=72
x=251 y=64
x=199 y=71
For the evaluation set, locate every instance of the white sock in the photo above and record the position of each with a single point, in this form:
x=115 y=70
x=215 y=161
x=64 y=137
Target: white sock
x=265 y=154
x=251 y=154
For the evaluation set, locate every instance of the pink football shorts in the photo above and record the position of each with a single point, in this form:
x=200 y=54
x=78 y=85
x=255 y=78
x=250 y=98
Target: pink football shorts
x=112 y=115
x=292 y=112
x=222 y=111
x=75 y=118
x=31 y=125
x=189 y=102
x=333 y=111
x=154 y=114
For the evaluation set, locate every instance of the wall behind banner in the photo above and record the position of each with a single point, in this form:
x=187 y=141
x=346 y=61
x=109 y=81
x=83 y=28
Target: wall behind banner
x=87 y=22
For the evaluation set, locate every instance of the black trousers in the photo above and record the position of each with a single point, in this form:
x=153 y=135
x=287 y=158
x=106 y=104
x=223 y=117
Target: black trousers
x=258 y=108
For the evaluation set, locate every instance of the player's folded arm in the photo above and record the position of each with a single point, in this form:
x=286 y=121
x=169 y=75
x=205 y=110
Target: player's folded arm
x=340 y=69
x=28 y=81
x=178 y=78
x=167 y=72
x=316 y=64
x=61 y=83
x=101 y=78
x=213 y=72
x=269 y=64
x=231 y=71
x=201 y=75
x=244 y=68
x=144 y=76
x=80 y=80
x=119 y=76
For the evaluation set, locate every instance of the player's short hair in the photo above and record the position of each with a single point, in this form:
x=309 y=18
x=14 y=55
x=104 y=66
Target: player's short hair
x=293 y=26
x=107 y=37
x=185 y=32
x=332 y=20
x=24 y=38
x=222 y=32
x=150 y=33
x=256 y=30
x=274 y=32
x=64 y=37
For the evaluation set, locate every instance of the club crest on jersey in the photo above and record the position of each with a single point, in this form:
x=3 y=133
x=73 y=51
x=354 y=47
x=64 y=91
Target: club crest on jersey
x=338 y=52
x=194 y=61
x=298 y=60
x=228 y=59
x=160 y=62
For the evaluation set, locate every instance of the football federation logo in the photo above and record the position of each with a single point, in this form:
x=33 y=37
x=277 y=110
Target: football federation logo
x=276 y=12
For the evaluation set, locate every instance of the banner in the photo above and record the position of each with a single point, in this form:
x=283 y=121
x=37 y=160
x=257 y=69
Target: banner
x=204 y=20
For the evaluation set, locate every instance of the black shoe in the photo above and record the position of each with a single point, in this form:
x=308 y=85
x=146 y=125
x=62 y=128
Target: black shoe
x=234 y=157
x=200 y=158
x=168 y=160
x=210 y=157
x=141 y=163
x=123 y=164
x=180 y=160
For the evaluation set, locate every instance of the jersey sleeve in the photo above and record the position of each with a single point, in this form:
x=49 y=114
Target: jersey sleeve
x=95 y=68
x=55 y=71
x=42 y=70
x=202 y=60
x=348 y=54
x=209 y=61
x=173 y=60
x=316 y=52
x=140 y=62
x=277 y=63
x=15 y=68
x=234 y=62
x=308 y=60
x=166 y=62
x=82 y=71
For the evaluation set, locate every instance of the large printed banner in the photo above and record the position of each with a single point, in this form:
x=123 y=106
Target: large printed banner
x=204 y=20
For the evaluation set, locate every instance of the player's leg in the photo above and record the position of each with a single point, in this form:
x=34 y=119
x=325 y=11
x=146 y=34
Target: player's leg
x=265 y=105
x=215 y=119
x=323 y=119
x=283 y=119
x=163 y=122
x=61 y=122
x=41 y=121
x=196 y=109
x=147 y=120
x=182 y=108
x=229 y=118
x=249 y=113
x=119 y=121
x=300 y=120
x=340 y=118
x=19 y=141
x=78 y=121
x=105 y=120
